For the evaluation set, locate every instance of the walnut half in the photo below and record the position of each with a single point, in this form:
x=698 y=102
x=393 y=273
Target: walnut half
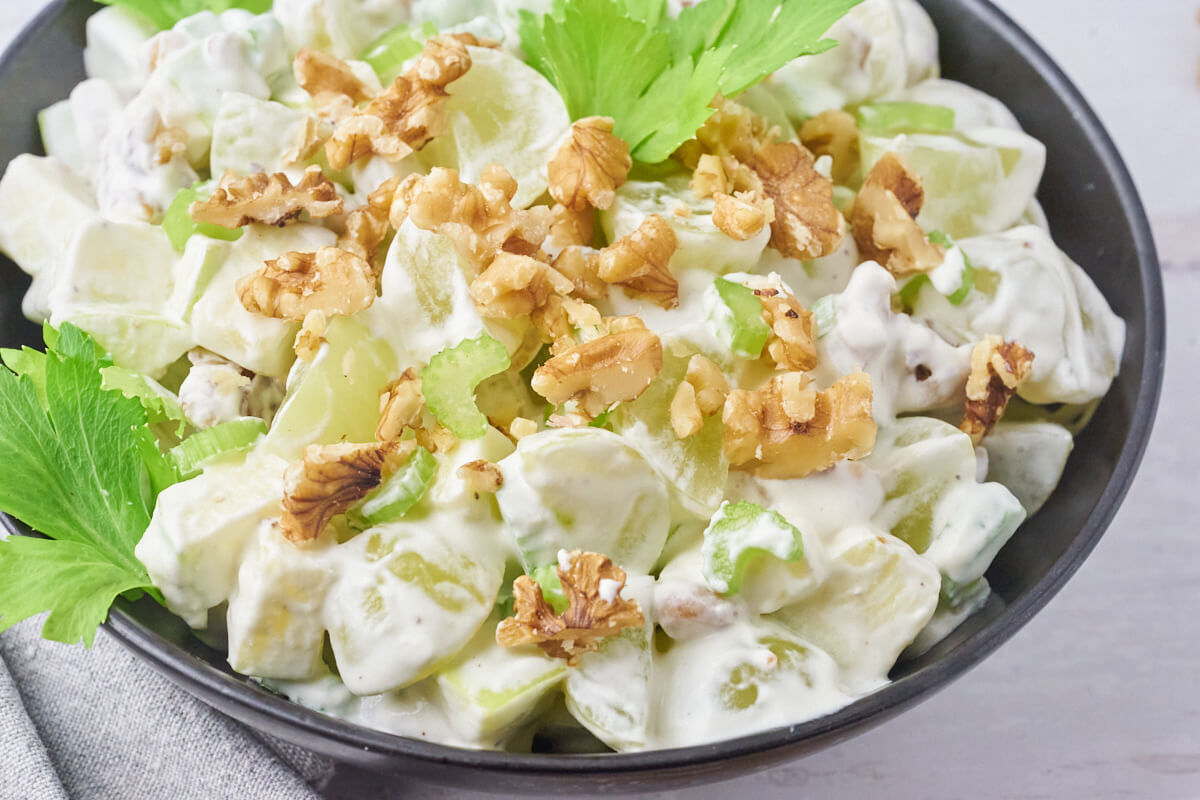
x=268 y=199
x=330 y=479
x=787 y=429
x=641 y=262
x=610 y=369
x=330 y=280
x=592 y=585
x=701 y=395
x=884 y=220
x=807 y=224
x=998 y=368
x=590 y=166
x=793 y=341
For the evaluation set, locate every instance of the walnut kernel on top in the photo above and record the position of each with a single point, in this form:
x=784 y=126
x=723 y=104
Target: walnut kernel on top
x=884 y=220
x=268 y=199
x=998 y=368
x=590 y=166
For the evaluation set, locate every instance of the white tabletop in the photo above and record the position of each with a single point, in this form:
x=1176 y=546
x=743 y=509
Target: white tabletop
x=1096 y=698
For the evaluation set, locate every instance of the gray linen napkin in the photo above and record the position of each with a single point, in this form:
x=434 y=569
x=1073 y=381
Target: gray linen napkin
x=101 y=724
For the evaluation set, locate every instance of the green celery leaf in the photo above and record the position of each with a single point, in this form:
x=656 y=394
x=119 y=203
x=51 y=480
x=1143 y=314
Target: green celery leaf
x=160 y=404
x=73 y=581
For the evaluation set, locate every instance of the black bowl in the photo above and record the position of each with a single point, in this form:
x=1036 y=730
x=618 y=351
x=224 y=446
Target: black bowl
x=1096 y=217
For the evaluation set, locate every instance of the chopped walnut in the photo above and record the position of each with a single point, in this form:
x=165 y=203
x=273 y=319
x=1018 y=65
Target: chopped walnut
x=787 y=429
x=834 y=133
x=998 y=368
x=437 y=439
x=709 y=179
x=592 y=585
x=701 y=395
x=590 y=166
x=311 y=335
x=519 y=286
x=480 y=219
x=733 y=130
x=332 y=84
x=332 y=478
x=610 y=369
x=742 y=216
x=793 y=341
x=367 y=227
x=482 y=477
x=580 y=267
x=170 y=141
x=884 y=220
x=268 y=199
x=807 y=224
x=641 y=262
x=289 y=287
x=307 y=141
x=408 y=114
x=522 y=427
x=569 y=228
x=401 y=406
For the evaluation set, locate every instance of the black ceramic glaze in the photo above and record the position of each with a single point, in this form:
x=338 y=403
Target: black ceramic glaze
x=1096 y=217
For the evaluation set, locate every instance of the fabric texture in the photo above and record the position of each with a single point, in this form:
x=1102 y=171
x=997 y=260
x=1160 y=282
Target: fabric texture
x=102 y=724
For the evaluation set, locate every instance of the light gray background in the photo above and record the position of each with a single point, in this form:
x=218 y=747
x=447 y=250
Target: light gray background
x=1097 y=697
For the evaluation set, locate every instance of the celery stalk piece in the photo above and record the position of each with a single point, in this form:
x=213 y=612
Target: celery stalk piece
x=738 y=319
x=546 y=577
x=900 y=117
x=450 y=379
x=201 y=448
x=738 y=534
x=387 y=54
x=957 y=297
x=396 y=496
x=179 y=225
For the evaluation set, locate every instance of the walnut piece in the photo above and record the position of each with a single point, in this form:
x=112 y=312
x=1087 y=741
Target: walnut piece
x=268 y=199
x=289 y=287
x=579 y=265
x=569 y=227
x=807 y=224
x=482 y=477
x=793 y=341
x=787 y=429
x=330 y=479
x=311 y=336
x=592 y=585
x=834 y=133
x=521 y=427
x=401 y=406
x=515 y=286
x=998 y=368
x=479 y=219
x=884 y=220
x=701 y=395
x=368 y=226
x=641 y=262
x=332 y=84
x=590 y=166
x=743 y=215
x=732 y=131
x=613 y=368
x=408 y=114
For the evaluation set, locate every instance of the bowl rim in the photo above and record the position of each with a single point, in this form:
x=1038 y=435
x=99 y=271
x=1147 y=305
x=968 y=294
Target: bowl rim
x=209 y=683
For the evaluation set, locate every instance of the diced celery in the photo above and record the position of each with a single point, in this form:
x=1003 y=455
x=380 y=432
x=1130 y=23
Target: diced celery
x=179 y=225
x=901 y=117
x=738 y=319
x=738 y=534
x=546 y=577
x=450 y=379
x=968 y=271
x=396 y=496
x=387 y=54
x=203 y=447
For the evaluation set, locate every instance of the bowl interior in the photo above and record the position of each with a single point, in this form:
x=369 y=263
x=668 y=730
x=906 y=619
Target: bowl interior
x=1096 y=218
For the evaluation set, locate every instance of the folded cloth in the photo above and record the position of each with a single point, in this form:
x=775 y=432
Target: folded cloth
x=102 y=724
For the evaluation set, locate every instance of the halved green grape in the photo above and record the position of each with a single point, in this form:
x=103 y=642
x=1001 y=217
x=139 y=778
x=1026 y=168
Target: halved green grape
x=387 y=54
x=740 y=533
x=736 y=314
x=336 y=396
x=202 y=448
x=179 y=226
x=876 y=597
x=490 y=691
x=449 y=382
x=396 y=496
x=1028 y=458
x=546 y=513
x=902 y=117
